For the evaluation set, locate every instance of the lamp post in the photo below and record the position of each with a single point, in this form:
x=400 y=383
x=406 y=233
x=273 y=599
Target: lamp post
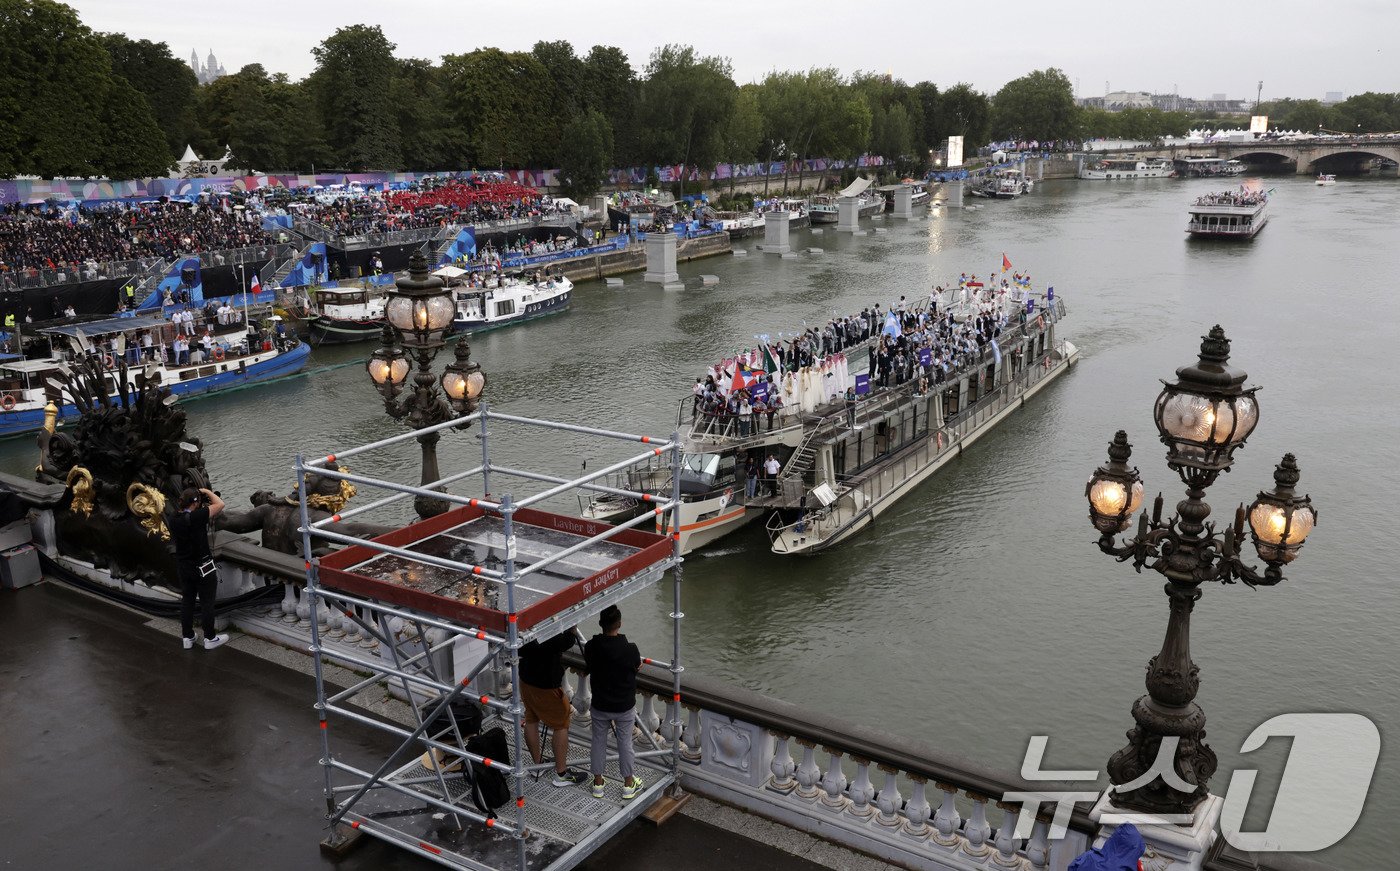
x=418 y=313
x=1203 y=418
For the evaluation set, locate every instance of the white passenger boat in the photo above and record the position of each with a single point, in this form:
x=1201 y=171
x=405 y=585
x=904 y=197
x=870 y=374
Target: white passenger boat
x=1229 y=215
x=28 y=383
x=1325 y=179
x=347 y=314
x=508 y=300
x=1128 y=167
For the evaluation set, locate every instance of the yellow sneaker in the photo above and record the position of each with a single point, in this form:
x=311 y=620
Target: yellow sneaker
x=630 y=787
x=597 y=790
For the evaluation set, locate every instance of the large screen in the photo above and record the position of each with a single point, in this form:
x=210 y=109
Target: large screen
x=1259 y=124
x=955 y=145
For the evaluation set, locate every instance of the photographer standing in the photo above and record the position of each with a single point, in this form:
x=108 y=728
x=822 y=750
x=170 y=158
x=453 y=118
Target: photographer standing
x=195 y=564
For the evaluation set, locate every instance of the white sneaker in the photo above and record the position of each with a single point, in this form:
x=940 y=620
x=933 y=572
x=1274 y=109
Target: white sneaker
x=217 y=641
x=188 y=642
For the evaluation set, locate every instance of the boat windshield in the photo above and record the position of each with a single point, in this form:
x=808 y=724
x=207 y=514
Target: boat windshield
x=699 y=472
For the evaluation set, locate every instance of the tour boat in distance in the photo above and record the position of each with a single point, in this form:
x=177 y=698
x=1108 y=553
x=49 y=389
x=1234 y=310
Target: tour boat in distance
x=508 y=300
x=347 y=314
x=1128 y=167
x=1325 y=179
x=29 y=383
x=1229 y=215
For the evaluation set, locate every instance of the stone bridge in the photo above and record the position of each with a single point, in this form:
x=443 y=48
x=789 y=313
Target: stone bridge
x=1308 y=156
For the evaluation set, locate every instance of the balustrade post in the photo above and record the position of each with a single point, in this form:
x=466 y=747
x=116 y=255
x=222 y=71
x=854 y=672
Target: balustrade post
x=353 y=635
x=647 y=718
x=782 y=766
x=889 y=800
x=303 y=608
x=1038 y=847
x=289 y=603
x=808 y=773
x=977 y=829
x=917 y=810
x=690 y=735
x=583 y=697
x=861 y=792
x=834 y=781
x=1005 y=840
x=947 y=820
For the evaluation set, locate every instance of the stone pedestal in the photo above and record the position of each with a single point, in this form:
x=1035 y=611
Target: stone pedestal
x=847 y=215
x=661 y=258
x=776 y=227
x=953 y=194
x=904 y=202
x=1169 y=847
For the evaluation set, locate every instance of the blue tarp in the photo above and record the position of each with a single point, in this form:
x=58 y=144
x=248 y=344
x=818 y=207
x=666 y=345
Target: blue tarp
x=1119 y=853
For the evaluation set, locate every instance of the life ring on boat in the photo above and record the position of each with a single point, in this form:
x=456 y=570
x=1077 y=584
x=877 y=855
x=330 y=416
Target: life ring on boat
x=7 y=402
x=1040 y=322
x=108 y=361
x=218 y=352
x=1045 y=364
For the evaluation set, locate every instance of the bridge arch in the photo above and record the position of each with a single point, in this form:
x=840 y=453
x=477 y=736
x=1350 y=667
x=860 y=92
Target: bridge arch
x=1347 y=159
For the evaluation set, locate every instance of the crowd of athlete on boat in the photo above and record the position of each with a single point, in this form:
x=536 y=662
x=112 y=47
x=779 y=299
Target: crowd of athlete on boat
x=905 y=344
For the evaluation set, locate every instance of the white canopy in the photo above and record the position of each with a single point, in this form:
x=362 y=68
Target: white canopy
x=565 y=202
x=450 y=272
x=189 y=156
x=856 y=187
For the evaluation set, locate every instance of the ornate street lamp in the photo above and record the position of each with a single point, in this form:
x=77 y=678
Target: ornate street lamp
x=1202 y=418
x=419 y=312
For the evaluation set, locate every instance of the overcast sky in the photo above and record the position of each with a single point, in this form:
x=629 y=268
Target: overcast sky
x=1299 y=48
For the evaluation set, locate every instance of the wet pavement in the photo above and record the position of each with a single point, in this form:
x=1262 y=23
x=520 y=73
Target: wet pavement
x=118 y=749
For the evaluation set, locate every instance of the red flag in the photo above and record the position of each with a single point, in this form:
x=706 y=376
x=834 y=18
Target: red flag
x=1005 y=264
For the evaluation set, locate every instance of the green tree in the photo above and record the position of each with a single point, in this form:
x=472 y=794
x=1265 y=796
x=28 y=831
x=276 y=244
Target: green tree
x=1039 y=105
x=428 y=137
x=966 y=112
x=353 y=89
x=929 y=136
x=743 y=130
x=167 y=83
x=499 y=105
x=1367 y=113
x=586 y=148
x=54 y=78
x=268 y=123
x=685 y=100
x=611 y=87
x=128 y=147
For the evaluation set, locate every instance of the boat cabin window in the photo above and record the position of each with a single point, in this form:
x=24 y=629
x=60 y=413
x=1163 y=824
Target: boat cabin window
x=505 y=307
x=699 y=472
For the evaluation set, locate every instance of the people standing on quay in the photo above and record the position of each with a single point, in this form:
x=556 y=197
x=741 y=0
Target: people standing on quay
x=613 y=662
x=542 y=693
x=199 y=577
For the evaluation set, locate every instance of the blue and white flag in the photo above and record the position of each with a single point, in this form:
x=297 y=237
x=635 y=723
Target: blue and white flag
x=996 y=352
x=892 y=328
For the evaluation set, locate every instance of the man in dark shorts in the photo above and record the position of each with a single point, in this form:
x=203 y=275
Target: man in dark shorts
x=542 y=692
x=195 y=564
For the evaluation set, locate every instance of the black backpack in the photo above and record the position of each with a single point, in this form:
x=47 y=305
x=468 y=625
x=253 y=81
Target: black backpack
x=490 y=789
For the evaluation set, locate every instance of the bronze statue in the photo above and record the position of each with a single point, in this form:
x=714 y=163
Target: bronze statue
x=279 y=518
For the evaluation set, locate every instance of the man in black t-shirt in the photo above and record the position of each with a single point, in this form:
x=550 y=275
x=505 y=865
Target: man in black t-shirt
x=195 y=564
x=612 y=663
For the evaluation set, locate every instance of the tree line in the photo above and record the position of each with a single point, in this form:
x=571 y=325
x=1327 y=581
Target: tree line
x=78 y=103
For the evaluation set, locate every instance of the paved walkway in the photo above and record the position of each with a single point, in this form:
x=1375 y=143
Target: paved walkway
x=118 y=749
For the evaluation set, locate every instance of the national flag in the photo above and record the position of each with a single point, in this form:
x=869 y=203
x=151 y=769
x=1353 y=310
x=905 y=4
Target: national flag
x=1005 y=264
x=996 y=352
x=770 y=361
x=739 y=382
x=892 y=328
x=975 y=284
x=255 y=286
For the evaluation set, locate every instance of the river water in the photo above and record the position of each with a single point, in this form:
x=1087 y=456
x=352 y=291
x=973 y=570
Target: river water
x=978 y=611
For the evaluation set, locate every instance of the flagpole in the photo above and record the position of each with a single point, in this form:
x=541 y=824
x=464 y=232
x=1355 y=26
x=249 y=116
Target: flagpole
x=246 y=322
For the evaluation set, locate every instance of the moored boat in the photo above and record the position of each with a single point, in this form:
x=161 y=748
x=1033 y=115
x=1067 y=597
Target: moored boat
x=509 y=300
x=1128 y=167
x=27 y=383
x=347 y=314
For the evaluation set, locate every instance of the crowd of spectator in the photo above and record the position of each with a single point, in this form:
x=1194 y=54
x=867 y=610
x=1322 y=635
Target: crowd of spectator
x=453 y=202
x=72 y=243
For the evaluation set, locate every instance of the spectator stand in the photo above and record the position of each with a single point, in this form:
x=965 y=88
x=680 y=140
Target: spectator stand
x=450 y=601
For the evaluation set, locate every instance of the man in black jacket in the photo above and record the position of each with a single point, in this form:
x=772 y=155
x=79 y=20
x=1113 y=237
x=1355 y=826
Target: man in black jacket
x=195 y=565
x=612 y=663
x=542 y=692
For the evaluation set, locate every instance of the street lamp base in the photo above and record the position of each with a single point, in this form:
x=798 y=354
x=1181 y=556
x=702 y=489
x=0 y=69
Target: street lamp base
x=428 y=507
x=1174 y=842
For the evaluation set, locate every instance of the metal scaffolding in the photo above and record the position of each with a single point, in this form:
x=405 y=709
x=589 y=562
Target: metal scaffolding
x=449 y=598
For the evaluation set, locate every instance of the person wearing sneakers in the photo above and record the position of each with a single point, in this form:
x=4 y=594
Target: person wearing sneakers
x=199 y=577
x=613 y=663
x=542 y=692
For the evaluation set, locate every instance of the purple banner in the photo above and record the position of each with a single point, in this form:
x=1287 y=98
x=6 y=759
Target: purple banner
x=862 y=385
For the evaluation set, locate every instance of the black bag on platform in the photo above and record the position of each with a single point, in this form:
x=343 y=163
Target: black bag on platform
x=465 y=712
x=490 y=789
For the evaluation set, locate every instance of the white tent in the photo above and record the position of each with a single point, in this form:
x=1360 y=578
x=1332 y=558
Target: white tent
x=449 y=272
x=998 y=156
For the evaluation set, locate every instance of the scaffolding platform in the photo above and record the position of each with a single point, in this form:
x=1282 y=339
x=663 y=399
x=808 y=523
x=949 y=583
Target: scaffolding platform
x=451 y=599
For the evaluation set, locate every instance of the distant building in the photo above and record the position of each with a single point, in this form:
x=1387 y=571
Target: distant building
x=1333 y=97
x=209 y=71
x=1117 y=101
